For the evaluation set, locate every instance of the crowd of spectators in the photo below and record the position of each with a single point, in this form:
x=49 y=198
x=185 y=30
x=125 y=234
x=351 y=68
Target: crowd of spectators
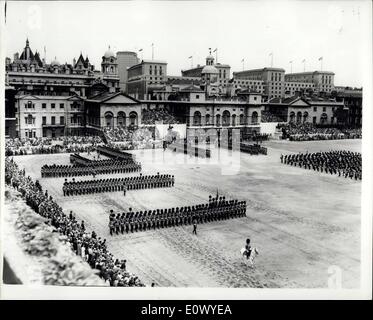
x=267 y=116
x=129 y=139
x=341 y=162
x=308 y=131
x=88 y=245
x=17 y=146
x=153 y=115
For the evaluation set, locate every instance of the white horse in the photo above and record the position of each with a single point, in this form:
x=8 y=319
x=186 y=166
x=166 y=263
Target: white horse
x=249 y=261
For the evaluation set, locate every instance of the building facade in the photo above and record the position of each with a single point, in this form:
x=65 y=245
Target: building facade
x=49 y=116
x=108 y=110
x=323 y=81
x=146 y=76
x=352 y=99
x=125 y=60
x=268 y=81
x=10 y=112
x=28 y=74
x=299 y=109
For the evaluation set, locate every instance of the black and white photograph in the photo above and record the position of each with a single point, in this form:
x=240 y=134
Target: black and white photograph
x=222 y=147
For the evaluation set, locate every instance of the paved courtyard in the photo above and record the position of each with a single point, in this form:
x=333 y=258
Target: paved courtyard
x=301 y=221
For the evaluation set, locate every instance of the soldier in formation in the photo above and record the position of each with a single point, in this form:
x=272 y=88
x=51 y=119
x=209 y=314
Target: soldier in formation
x=117 y=184
x=95 y=167
x=343 y=163
x=217 y=209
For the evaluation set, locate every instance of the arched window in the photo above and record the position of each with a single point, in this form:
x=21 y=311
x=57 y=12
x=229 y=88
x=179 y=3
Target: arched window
x=234 y=120
x=207 y=119
x=121 y=119
x=197 y=118
x=254 y=117
x=305 y=116
x=299 y=117
x=109 y=119
x=133 y=118
x=242 y=119
x=292 y=116
x=226 y=118
x=324 y=118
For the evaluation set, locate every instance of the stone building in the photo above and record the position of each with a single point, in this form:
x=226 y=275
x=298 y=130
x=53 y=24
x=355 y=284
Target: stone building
x=112 y=110
x=125 y=60
x=145 y=77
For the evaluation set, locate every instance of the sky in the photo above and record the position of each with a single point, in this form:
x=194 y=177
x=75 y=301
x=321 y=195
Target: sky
x=249 y=30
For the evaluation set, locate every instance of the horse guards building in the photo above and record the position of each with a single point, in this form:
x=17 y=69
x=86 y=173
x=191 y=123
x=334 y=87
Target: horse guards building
x=55 y=99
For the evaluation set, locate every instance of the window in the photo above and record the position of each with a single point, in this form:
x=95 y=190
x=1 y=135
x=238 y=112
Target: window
x=44 y=120
x=43 y=105
x=53 y=120
x=255 y=98
x=62 y=120
x=197 y=96
x=324 y=109
x=29 y=119
x=53 y=105
x=62 y=105
x=314 y=109
x=314 y=120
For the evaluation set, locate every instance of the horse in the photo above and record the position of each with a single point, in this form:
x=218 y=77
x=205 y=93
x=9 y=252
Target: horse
x=249 y=261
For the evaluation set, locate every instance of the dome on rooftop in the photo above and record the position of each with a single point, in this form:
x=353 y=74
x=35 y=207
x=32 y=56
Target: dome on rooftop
x=55 y=62
x=109 y=53
x=209 y=70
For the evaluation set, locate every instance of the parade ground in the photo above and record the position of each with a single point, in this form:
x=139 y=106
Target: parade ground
x=302 y=222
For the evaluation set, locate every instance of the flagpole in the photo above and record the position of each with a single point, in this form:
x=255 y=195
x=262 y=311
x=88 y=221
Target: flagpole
x=291 y=66
x=191 y=59
x=152 y=51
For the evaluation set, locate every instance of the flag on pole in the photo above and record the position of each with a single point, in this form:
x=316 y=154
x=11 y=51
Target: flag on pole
x=271 y=54
x=140 y=50
x=304 y=60
x=321 y=58
x=243 y=60
x=190 y=57
x=215 y=50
